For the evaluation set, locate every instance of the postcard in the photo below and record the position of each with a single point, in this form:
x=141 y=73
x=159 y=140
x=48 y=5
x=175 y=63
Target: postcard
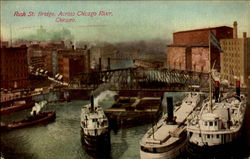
x=124 y=79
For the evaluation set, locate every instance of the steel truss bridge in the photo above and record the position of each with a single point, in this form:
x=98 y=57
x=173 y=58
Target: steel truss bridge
x=139 y=78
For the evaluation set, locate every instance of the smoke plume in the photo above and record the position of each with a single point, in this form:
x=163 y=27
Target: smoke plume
x=38 y=107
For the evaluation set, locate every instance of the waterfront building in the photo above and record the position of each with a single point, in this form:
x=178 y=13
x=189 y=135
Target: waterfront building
x=72 y=62
x=43 y=55
x=190 y=49
x=235 y=59
x=4 y=43
x=13 y=67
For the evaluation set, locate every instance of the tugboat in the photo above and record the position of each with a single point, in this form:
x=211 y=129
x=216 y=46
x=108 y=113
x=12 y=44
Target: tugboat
x=35 y=118
x=217 y=126
x=167 y=139
x=95 y=133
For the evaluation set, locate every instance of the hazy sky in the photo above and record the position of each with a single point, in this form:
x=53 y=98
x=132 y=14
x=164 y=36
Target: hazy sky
x=130 y=20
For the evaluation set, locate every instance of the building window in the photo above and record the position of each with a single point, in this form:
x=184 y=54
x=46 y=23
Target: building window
x=210 y=123
x=208 y=136
x=215 y=123
x=218 y=136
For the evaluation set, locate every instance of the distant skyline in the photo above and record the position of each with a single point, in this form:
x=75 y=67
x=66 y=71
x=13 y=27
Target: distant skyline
x=126 y=21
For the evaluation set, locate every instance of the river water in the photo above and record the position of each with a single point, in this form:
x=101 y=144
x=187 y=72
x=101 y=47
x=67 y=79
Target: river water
x=61 y=139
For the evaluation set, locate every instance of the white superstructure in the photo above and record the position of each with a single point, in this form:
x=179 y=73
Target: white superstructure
x=93 y=123
x=219 y=125
x=167 y=140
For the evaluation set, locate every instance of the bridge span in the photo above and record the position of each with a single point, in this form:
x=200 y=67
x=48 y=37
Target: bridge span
x=140 y=78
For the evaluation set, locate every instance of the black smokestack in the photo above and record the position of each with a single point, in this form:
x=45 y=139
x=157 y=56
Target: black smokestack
x=108 y=64
x=170 y=109
x=100 y=64
x=88 y=56
x=92 y=102
x=238 y=89
x=217 y=90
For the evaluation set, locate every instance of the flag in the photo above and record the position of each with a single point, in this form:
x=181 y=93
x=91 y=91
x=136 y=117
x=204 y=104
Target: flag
x=214 y=41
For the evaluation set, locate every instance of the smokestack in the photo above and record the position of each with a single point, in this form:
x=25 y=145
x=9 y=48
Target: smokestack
x=238 y=89
x=170 y=108
x=229 y=118
x=244 y=35
x=235 y=36
x=108 y=64
x=217 y=90
x=100 y=64
x=88 y=56
x=92 y=102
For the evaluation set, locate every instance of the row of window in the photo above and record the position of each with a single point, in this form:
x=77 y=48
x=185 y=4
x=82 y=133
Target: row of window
x=231 y=42
x=232 y=54
x=231 y=48
x=212 y=136
x=210 y=123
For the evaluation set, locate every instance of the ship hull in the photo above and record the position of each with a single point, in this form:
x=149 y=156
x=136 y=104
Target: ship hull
x=11 y=109
x=50 y=116
x=232 y=149
x=175 y=152
x=98 y=146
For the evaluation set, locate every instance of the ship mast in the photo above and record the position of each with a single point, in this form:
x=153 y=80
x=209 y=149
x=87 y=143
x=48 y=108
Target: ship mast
x=210 y=73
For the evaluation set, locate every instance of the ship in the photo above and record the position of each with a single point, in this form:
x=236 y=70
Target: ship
x=41 y=117
x=35 y=117
x=217 y=126
x=13 y=106
x=167 y=139
x=95 y=134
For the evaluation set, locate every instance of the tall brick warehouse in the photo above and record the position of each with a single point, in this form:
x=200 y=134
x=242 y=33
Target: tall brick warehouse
x=190 y=49
x=13 y=68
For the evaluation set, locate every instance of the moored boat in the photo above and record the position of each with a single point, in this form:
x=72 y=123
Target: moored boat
x=16 y=106
x=167 y=139
x=217 y=126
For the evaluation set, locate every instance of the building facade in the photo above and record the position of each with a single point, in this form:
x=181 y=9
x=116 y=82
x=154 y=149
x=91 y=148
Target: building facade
x=235 y=59
x=72 y=62
x=190 y=49
x=14 y=68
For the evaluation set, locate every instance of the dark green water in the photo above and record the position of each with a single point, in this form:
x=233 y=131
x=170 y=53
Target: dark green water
x=61 y=139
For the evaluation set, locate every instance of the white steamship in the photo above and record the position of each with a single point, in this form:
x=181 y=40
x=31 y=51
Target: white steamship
x=167 y=139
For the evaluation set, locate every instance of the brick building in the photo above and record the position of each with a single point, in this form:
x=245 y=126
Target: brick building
x=43 y=56
x=14 y=68
x=235 y=59
x=72 y=62
x=190 y=49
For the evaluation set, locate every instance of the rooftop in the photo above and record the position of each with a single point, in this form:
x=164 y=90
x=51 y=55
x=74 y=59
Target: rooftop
x=210 y=28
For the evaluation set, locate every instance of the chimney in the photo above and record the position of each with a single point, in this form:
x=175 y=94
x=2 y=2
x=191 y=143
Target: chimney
x=244 y=35
x=108 y=64
x=238 y=89
x=88 y=57
x=100 y=64
x=235 y=30
x=92 y=102
x=170 y=108
x=217 y=90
